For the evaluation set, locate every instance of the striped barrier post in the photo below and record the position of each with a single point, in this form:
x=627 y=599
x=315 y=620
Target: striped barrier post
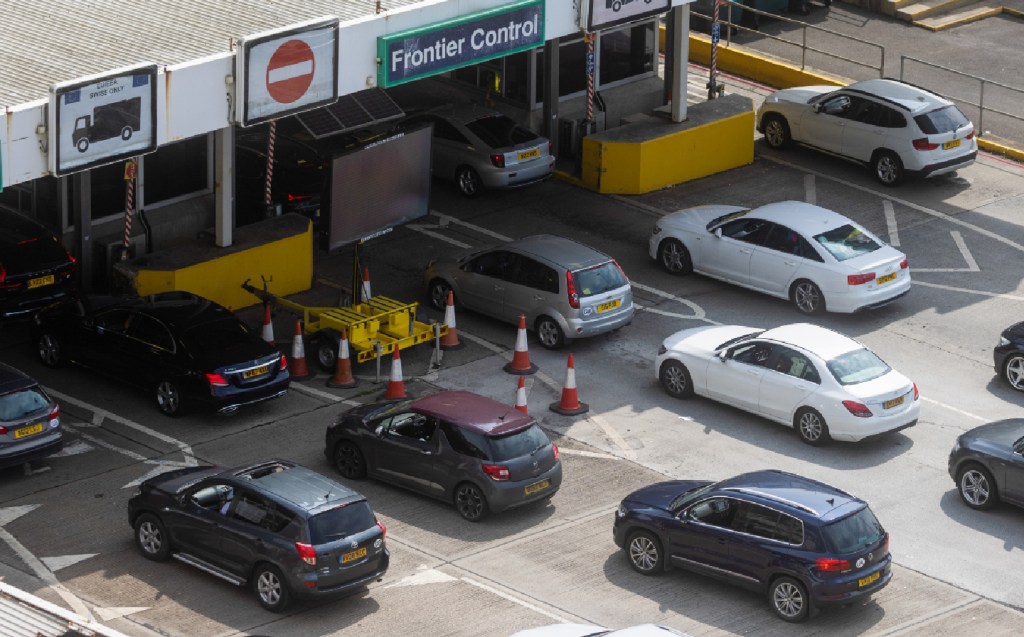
x=271 y=138
x=131 y=168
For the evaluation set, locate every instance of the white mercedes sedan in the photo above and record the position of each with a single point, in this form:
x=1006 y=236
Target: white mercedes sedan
x=816 y=258
x=821 y=383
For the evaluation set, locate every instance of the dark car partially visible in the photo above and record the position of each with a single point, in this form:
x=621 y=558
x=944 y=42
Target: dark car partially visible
x=1008 y=355
x=181 y=348
x=35 y=269
x=987 y=464
x=29 y=419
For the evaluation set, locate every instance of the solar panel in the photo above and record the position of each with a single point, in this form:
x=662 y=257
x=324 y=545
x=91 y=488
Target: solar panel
x=350 y=111
x=319 y=122
x=378 y=103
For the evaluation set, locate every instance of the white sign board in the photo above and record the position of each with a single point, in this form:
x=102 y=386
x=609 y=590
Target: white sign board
x=287 y=71
x=606 y=13
x=101 y=119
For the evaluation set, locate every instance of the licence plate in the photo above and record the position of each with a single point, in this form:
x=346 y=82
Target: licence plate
x=353 y=555
x=28 y=431
x=864 y=581
x=885 y=279
x=257 y=371
x=537 y=486
x=610 y=305
x=953 y=143
x=529 y=154
x=40 y=281
x=889 y=404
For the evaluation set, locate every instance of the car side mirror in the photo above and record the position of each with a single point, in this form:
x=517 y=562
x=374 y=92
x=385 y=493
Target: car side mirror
x=816 y=108
x=718 y=232
x=722 y=355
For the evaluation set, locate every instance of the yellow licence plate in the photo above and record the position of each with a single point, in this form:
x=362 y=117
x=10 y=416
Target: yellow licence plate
x=610 y=305
x=537 y=486
x=253 y=373
x=354 y=555
x=40 y=281
x=864 y=581
x=886 y=278
x=529 y=154
x=889 y=404
x=28 y=431
x=953 y=143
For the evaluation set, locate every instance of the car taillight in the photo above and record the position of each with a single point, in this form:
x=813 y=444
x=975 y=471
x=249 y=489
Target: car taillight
x=216 y=380
x=306 y=552
x=831 y=565
x=3 y=430
x=904 y=264
x=970 y=135
x=916 y=393
x=924 y=144
x=292 y=197
x=859 y=410
x=54 y=415
x=496 y=471
x=554 y=449
x=551 y=147
x=623 y=272
x=284 y=362
x=885 y=543
x=498 y=160
x=570 y=289
x=383 y=529
x=858 y=279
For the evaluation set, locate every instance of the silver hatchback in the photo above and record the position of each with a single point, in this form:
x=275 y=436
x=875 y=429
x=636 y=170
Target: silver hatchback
x=29 y=419
x=565 y=289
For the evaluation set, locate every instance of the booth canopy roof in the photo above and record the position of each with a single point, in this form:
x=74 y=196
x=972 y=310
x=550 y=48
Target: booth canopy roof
x=45 y=42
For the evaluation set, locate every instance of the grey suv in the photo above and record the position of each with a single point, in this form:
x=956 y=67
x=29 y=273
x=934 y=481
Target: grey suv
x=281 y=528
x=29 y=419
x=565 y=289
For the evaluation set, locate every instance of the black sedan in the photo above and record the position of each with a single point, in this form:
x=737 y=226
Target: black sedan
x=180 y=347
x=35 y=269
x=987 y=463
x=1009 y=356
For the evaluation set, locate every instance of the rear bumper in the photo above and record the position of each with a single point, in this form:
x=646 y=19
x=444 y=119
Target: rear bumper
x=861 y=300
x=831 y=593
x=229 y=399
x=948 y=166
x=45 y=447
x=508 y=495
x=580 y=328
x=22 y=305
x=520 y=174
x=304 y=589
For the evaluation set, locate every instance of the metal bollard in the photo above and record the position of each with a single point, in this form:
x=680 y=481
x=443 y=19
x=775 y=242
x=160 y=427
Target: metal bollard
x=438 y=353
x=376 y=350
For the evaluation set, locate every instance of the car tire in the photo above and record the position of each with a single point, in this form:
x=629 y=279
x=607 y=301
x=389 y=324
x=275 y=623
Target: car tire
x=438 y=291
x=888 y=168
x=468 y=181
x=788 y=599
x=976 y=487
x=470 y=502
x=549 y=333
x=326 y=350
x=349 y=460
x=811 y=427
x=169 y=400
x=776 y=129
x=644 y=553
x=1013 y=371
x=674 y=257
x=50 y=350
x=676 y=380
x=807 y=297
x=271 y=588
x=151 y=538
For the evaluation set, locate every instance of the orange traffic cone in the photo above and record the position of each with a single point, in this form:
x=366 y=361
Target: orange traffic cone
x=521 y=357
x=396 y=388
x=298 y=368
x=451 y=339
x=364 y=290
x=521 y=396
x=570 y=404
x=268 y=326
x=342 y=378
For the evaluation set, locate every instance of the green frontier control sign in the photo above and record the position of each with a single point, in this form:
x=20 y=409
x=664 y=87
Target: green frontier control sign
x=445 y=46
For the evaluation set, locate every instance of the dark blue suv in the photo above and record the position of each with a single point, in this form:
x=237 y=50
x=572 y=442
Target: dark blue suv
x=803 y=543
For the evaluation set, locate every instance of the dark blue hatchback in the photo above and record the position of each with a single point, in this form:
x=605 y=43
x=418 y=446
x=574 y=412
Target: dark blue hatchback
x=803 y=543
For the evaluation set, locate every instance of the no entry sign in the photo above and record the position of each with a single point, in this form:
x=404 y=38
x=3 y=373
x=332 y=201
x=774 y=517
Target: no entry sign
x=287 y=71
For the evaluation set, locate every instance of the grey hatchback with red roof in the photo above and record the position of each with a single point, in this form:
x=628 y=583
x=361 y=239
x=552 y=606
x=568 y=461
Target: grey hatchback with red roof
x=479 y=454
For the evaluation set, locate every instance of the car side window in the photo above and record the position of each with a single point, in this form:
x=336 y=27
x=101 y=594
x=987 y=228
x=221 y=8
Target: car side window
x=214 y=497
x=464 y=442
x=783 y=240
x=413 y=427
x=255 y=509
x=752 y=353
x=444 y=130
x=536 y=275
x=888 y=117
x=754 y=519
x=747 y=230
x=714 y=511
x=840 y=105
x=789 y=530
x=499 y=264
x=793 y=363
x=151 y=332
x=114 y=321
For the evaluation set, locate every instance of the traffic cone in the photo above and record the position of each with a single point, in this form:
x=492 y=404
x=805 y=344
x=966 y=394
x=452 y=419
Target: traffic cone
x=268 y=325
x=570 y=404
x=396 y=388
x=298 y=368
x=364 y=290
x=521 y=357
x=451 y=338
x=342 y=378
x=521 y=396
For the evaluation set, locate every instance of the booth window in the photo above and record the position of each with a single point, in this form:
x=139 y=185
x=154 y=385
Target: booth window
x=176 y=170
x=626 y=53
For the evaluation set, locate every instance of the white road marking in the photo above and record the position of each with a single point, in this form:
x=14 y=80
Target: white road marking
x=309 y=391
x=73 y=449
x=422 y=229
x=106 y=445
x=956 y=409
x=698 y=311
x=995 y=295
x=161 y=467
x=423 y=576
x=63 y=561
x=626 y=201
x=613 y=435
x=448 y=219
x=586 y=454
x=106 y=614
x=515 y=600
x=890 y=222
x=810 y=194
x=972 y=265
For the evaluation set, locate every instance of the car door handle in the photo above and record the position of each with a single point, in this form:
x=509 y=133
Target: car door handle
x=744 y=251
x=538 y=298
x=790 y=263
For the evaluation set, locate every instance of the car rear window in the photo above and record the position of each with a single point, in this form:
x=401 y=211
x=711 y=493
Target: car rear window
x=341 y=522
x=217 y=334
x=943 y=120
x=499 y=131
x=858 y=366
x=598 y=280
x=854 y=532
x=517 y=444
x=18 y=404
x=848 y=241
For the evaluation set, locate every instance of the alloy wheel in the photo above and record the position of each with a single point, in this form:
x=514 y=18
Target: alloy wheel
x=268 y=586
x=975 y=488
x=643 y=552
x=49 y=350
x=150 y=539
x=788 y=600
x=1015 y=372
x=807 y=297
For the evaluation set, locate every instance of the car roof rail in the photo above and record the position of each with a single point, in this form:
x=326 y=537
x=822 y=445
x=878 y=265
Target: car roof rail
x=774 y=498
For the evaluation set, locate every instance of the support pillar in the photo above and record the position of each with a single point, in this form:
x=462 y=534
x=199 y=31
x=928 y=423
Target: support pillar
x=224 y=185
x=681 y=55
x=551 y=93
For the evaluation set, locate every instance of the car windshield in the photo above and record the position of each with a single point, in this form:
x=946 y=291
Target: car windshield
x=217 y=335
x=854 y=532
x=518 y=444
x=943 y=120
x=858 y=366
x=848 y=241
x=688 y=497
x=499 y=131
x=21 y=403
x=738 y=339
x=340 y=522
x=598 y=280
x=717 y=221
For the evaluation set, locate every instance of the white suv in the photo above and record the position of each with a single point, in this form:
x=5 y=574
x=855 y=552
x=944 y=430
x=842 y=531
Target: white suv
x=895 y=128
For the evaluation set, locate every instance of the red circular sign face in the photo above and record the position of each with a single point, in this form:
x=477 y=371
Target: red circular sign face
x=290 y=71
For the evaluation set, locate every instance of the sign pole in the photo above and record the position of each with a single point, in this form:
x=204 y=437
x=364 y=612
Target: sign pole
x=589 y=39
x=131 y=168
x=715 y=36
x=267 y=198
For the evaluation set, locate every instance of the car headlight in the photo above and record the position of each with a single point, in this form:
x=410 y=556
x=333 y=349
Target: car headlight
x=622 y=510
x=1003 y=341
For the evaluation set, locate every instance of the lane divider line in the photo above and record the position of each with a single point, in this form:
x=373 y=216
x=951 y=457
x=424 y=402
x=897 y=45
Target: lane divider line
x=890 y=222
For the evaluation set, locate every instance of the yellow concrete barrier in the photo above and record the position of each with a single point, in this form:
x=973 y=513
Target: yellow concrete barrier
x=763 y=69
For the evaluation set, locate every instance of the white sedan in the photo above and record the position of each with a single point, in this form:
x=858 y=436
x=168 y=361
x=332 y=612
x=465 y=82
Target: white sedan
x=817 y=258
x=585 y=630
x=821 y=383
